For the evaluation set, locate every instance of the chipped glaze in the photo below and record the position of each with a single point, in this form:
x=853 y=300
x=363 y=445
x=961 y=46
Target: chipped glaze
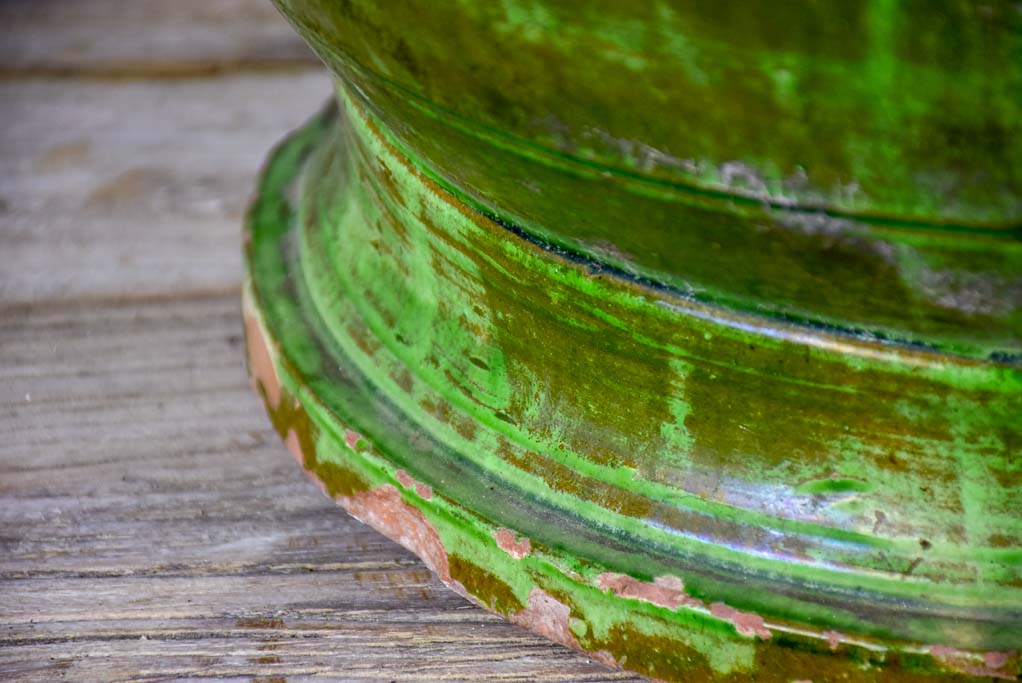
x=508 y=541
x=547 y=616
x=425 y=492
x=664 y=591
x=700 y=417
x=746 y=623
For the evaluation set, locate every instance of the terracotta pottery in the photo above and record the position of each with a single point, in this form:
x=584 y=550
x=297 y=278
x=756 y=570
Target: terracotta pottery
x=684 y=333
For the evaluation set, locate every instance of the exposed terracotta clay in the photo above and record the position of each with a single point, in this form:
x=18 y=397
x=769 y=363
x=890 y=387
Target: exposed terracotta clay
x=424 y=491
x=261 y=369
x=834 y=639
x=383 y=509
x=351 y=439
x=746 y=623
x=664 y=591
x=294 y=445
x=966 y=663
x=508 y=541
x=547 y=616
x=996 y=660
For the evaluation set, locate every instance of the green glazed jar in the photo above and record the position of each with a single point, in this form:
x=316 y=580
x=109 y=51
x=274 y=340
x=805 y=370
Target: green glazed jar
x=688 y=334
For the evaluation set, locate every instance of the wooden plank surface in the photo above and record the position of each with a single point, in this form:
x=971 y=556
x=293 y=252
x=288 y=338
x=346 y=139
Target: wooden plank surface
x=145 y=38
x=152 y=527
x=116 y=187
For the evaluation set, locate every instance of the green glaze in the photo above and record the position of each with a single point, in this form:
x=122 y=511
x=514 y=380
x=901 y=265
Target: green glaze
x=855 y=166
x=700 y=429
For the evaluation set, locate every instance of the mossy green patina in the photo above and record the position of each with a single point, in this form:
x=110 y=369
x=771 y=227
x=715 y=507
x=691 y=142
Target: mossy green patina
x=542 y=336
x=854 y=166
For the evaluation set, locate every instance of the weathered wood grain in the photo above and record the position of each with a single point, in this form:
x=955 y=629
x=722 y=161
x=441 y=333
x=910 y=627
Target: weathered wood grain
x=145 y=38
x=135 y=187
x=152 y=526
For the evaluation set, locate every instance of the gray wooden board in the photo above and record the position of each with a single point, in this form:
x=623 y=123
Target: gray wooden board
x=125 y=186
x=145 y=38
x=152 y=526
